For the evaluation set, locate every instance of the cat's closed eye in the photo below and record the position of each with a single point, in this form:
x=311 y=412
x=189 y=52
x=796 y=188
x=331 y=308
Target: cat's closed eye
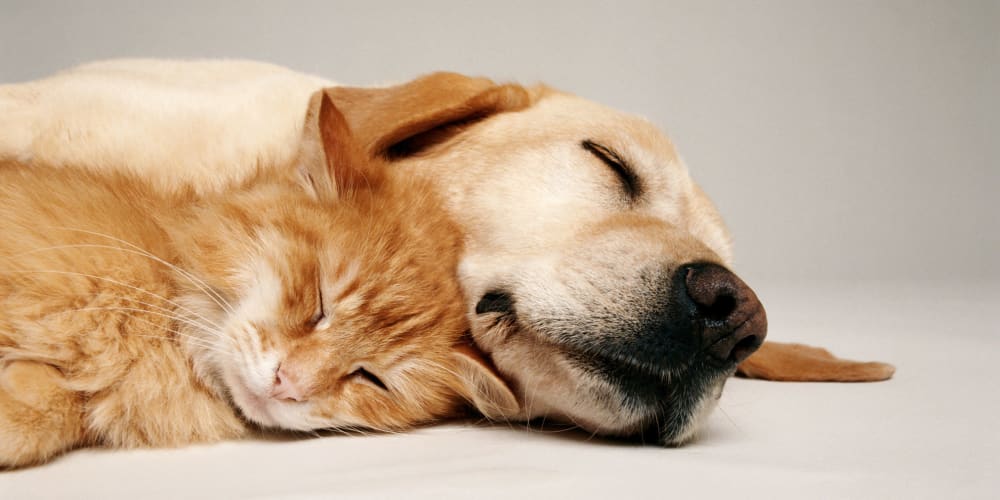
x=361 y=374
x=314 y=321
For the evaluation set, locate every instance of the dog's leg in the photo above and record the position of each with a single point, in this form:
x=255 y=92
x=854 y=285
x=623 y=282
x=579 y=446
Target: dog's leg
x=802 y=363
x=38 y=417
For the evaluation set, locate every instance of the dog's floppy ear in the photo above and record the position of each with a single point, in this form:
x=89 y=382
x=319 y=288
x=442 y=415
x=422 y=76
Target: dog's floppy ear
x=342 y=166
x=400 y=120
x=802 y=363
x=482 y=385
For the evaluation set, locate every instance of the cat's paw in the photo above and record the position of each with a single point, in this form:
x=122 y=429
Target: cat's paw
x=38 y=418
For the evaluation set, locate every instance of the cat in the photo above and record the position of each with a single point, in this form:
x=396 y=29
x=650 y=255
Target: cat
x=320 y=298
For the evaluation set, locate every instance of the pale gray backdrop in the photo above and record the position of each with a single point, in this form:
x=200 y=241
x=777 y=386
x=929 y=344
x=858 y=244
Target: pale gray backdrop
x=842 y=140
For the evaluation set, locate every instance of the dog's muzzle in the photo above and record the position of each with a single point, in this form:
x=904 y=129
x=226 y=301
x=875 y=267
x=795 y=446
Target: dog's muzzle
x=678 y=355
x=708 y=316
x=723 y=311
x=666 y=355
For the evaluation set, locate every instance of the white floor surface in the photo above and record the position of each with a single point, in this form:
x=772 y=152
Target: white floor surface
x=931 y=432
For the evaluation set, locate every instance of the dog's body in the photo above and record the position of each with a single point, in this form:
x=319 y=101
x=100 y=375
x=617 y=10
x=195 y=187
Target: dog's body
x=594 y=267
x=168 y=121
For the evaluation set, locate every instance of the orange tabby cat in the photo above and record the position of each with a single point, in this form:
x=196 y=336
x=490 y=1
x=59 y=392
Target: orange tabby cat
x=321 y=299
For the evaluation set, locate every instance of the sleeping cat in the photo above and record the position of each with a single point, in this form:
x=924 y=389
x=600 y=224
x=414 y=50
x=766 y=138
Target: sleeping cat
x=302 y=300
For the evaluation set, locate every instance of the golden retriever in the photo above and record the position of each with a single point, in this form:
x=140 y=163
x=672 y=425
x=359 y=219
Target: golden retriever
x=597 y=273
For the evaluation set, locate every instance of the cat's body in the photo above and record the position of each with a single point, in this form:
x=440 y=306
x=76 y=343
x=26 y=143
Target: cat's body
x=99 y=312
x=130 y=318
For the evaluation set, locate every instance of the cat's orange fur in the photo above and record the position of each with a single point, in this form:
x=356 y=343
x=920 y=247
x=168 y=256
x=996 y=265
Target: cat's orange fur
x=129 y=318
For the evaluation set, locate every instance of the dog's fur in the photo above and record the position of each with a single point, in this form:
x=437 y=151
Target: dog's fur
x=565 y=256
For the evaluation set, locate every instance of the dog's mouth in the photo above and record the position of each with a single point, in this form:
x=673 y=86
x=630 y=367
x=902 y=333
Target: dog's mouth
x=672 y=401
x=644 y=401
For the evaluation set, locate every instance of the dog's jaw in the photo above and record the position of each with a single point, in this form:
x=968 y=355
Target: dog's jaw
x=558 y=383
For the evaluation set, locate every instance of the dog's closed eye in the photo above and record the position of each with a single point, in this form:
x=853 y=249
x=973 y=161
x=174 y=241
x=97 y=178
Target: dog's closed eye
x=629 y=180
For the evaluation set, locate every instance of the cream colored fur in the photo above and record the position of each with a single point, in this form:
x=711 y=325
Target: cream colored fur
x=211 y=122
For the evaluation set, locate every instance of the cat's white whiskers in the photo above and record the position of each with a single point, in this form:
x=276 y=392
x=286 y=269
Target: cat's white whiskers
x=147 y=311
x=204 y=343
x=214 y=331
x=192 y=339
x=241 y=340
x=191 y=277
x=215 y=347
x=258 y=348
x=126 y=285
x=204 y=287
x=170 y=314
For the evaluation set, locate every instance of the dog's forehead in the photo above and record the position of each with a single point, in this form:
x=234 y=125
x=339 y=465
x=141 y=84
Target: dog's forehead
x=557 y=128
x=564 y=117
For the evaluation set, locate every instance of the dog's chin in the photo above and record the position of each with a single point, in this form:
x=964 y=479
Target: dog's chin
x=686 y=422
x=674 y=404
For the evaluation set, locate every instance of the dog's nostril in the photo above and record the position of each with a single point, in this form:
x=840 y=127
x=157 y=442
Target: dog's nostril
x=715 y=292
x=495 y=301
x=745 y=347
x=720 y=309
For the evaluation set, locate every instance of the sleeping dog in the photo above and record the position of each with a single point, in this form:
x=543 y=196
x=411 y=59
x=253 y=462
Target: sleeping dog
x=597 y=274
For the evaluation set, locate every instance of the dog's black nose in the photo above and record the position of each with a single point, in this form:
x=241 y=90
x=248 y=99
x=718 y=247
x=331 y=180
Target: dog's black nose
x=730 y=319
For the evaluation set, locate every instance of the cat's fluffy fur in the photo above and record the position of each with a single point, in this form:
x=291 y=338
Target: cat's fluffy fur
x=302 y=300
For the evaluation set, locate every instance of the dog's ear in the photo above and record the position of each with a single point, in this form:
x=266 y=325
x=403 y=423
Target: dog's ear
x=402 y=120
x=342 y=167
x=802 y=363
x=482 y=385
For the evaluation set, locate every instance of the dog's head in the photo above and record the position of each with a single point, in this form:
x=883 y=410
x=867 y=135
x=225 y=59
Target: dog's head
x=596 y=271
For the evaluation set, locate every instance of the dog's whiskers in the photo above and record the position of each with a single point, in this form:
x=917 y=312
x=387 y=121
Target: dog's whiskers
x=529 y=397
x=730 y=419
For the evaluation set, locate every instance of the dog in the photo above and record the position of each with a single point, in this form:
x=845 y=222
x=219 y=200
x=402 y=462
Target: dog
x=597 y=274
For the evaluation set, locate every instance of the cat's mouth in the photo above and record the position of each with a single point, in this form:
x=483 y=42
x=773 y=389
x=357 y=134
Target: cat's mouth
x=253 y=406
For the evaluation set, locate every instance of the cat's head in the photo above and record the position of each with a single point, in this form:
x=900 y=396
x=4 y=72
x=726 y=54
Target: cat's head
x=331 y=300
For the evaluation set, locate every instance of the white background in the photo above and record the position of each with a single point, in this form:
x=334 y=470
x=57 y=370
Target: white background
x=842 y=140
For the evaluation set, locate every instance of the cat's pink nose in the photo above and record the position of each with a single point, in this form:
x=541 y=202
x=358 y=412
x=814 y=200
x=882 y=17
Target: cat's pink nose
x=287 y=385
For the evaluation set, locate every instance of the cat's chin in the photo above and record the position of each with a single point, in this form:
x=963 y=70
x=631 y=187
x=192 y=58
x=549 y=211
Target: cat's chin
x=254 y=407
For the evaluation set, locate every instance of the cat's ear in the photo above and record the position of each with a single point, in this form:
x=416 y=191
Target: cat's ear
x=341 y=166
x=483 y=386
x=402 y=120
